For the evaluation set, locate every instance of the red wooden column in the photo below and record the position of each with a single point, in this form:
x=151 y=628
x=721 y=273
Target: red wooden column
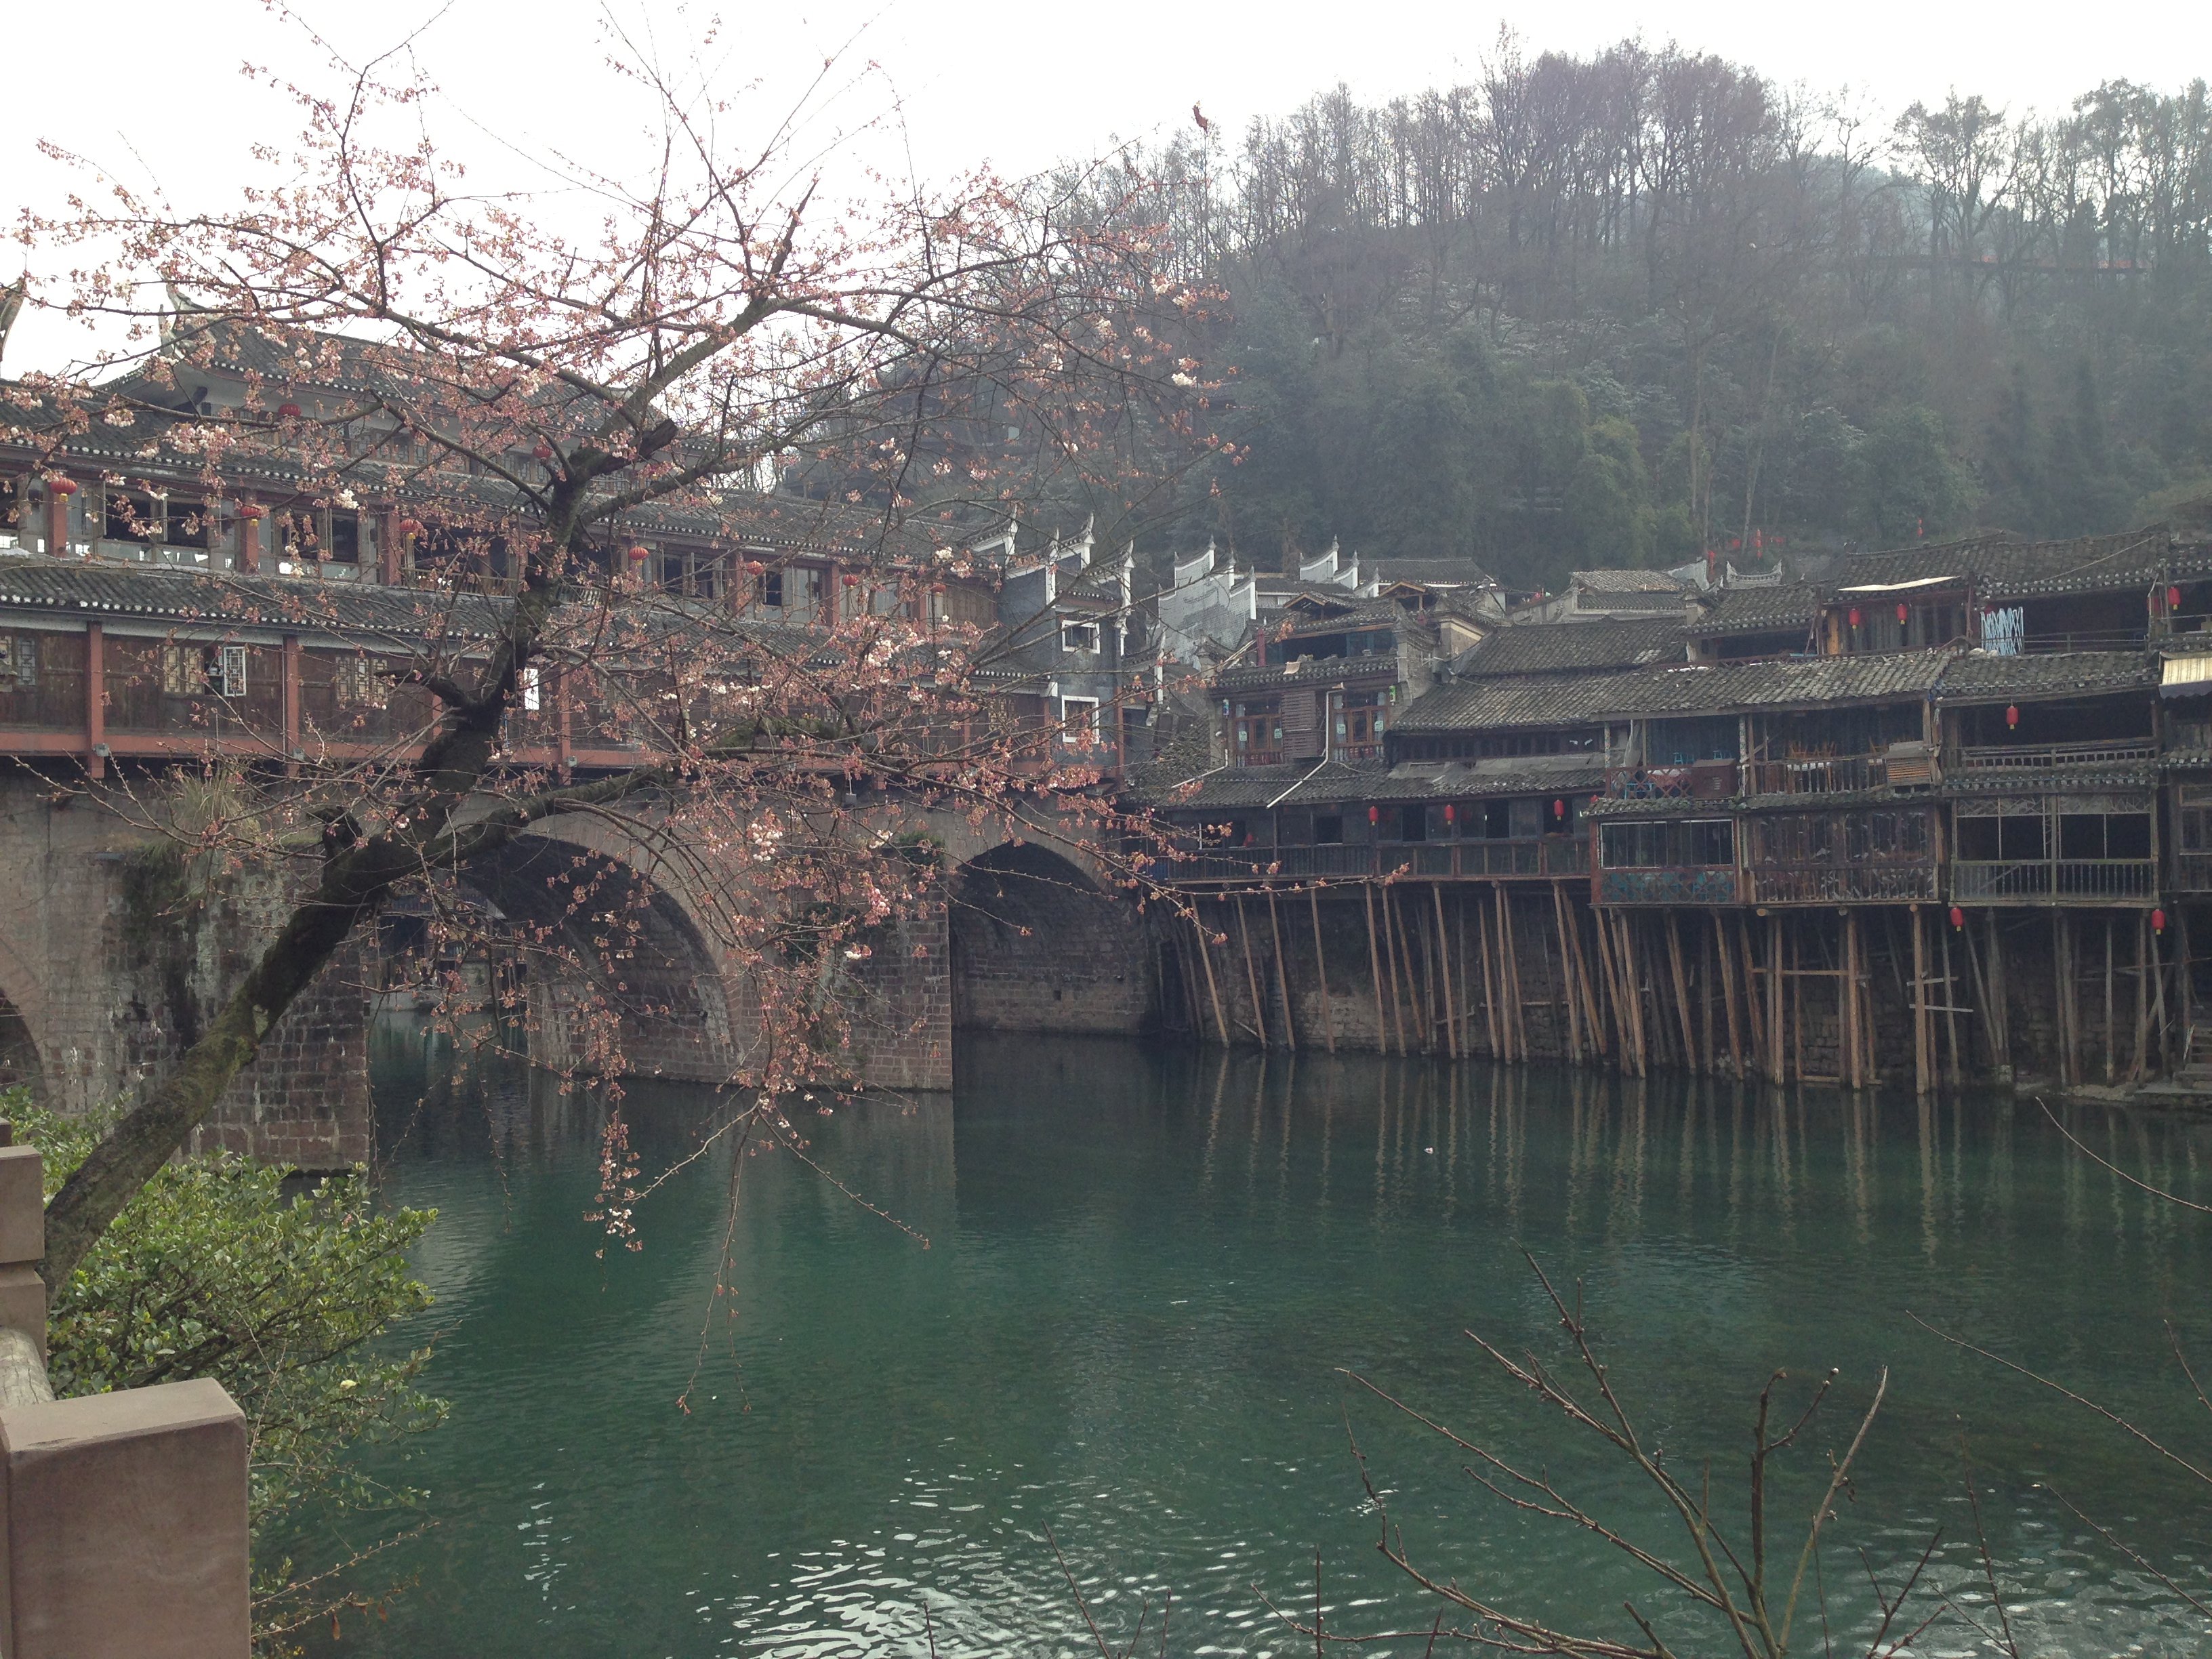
x=566 y=753
x=96 y=700
x=388 y=548
x=292 y=752
x=249 y=538
x=58 y=491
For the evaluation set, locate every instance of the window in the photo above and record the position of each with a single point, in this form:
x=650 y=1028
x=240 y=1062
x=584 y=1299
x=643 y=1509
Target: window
x=1707 y=843
x=530 y=699
x=1328 y=829
x=355 y=680
x=18 y=661
x=772 y=589
x=1078 y=636
x=1079 y=721
x=196 y=671
x=345 y=537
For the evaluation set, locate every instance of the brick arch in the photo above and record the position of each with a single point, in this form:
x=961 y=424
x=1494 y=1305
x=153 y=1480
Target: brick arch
x=21 y=1062
x=656 y=1002
x=1037 y=945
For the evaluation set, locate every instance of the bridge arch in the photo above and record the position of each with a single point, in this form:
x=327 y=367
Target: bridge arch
x=1037 y=945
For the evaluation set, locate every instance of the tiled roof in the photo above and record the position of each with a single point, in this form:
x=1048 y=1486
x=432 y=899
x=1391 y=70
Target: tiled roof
x=1438 y=572
x=1498 y=776
x=1256 y=786
x=1312 y=670
x=1654 y=599
x=1626 y=582
x=1559 y=647
x=1493 y=704
x=1980 y=676
x=2004 y=567
x=1362 y=614
x=1788 y=607
x=95 y=588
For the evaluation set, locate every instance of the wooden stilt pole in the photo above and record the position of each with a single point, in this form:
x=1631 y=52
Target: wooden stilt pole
x=1594 y=1020
x=1681 y=992
x=1754 y=1009
x=1853 y=1072
x=2063 y=990
x=1705 y=1044
x=1602 y=927
x=1375 y=966
x=1420 y=969
x=1212 y=985
x=1727 y=995
x=2165 y=1029
x=1776 y=990
x=2000 y=1009
x=1924 y=1078
x=1252 y=975
x=1489 y=985
x=1513 y=976
x=1320 y=971
x=1443 y=973
x=2110 y=1070
x=1567 y=976
x=1282 y=973
x=1631 y=992
x=1390 y=961
x=1955 y=1072
x=2144 y=967
x=1793 y=947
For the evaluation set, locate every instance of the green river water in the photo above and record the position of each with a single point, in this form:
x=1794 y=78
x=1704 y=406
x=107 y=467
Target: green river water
x=1143 y=1271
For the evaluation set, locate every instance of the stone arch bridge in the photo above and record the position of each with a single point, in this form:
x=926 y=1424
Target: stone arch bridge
x=109 y=962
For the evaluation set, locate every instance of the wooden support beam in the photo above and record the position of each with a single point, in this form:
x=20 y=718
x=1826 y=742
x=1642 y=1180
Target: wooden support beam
x=1567 y=976
x=2145 y=965
x=2110 y=1069
x=1282 y=973
x=1681 y=992
x=1251 y=976
x=1375 y=966
x=1320 y=971
x=1443 y=972
x=1955 y=1071
x=1213 y=985
x=1853 y=1070
x=1924 y=1068
x=1390 y=960
x=1728 y=996
x=1489 y=984
x=1775 y=992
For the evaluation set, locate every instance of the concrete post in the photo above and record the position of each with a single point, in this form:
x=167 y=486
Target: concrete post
x=122 y=1524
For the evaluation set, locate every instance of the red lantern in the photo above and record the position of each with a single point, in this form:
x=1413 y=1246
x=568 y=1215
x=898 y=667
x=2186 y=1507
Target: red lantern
x=1558 y=808
x=754 y=567
x=410 y=528
x=2158 y=922
x=64 y=487
x=287 y=411
x=1903 y=611
x=1854 y=615
x=1958 y=917
x=2174 y=599
x=252 y=512
x=543 y=452
x=1451 y=817
x=1375 y=815
x=851 y=580
x=639 y=554
x=2012 y=716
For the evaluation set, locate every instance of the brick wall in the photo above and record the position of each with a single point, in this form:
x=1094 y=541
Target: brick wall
x=1037 y=947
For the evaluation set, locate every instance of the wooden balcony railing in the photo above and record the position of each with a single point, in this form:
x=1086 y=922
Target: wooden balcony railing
x=2056 y=880
x=1712 y=779
x=2033 y=759
x=1818 y=884
x=1825 y=775
x=1712 y=885
x=1550 y=855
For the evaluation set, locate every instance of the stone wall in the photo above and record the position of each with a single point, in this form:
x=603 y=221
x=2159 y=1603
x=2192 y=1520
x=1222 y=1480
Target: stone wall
x=112 y=955
x=1037 y=947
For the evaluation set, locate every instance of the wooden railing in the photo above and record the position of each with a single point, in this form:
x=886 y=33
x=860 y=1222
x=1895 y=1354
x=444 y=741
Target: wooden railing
x=2030 y=759
x=1824 y=775
x=2055 y=879
x=1548 y=856
x=1711 y=780
x=1817 y=884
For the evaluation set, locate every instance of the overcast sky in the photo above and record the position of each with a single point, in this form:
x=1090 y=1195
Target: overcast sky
x=152 y=88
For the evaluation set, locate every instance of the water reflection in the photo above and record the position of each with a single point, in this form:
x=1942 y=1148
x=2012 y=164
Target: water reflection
x=1142 y=1269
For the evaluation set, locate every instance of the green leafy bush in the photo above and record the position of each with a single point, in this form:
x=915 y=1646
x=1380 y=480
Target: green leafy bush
x=225 y=1269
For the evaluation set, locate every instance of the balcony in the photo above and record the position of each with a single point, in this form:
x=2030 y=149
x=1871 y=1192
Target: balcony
x=1258 y=757
x=2054 y=880
x=1830 y=882
x=2002 y=762
x=1714 y=886
x=1706 y=780
x=1548 y=856
x=1823 y=774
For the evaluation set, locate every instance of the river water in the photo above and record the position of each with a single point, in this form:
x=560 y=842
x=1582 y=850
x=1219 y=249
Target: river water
x=786 y=1426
